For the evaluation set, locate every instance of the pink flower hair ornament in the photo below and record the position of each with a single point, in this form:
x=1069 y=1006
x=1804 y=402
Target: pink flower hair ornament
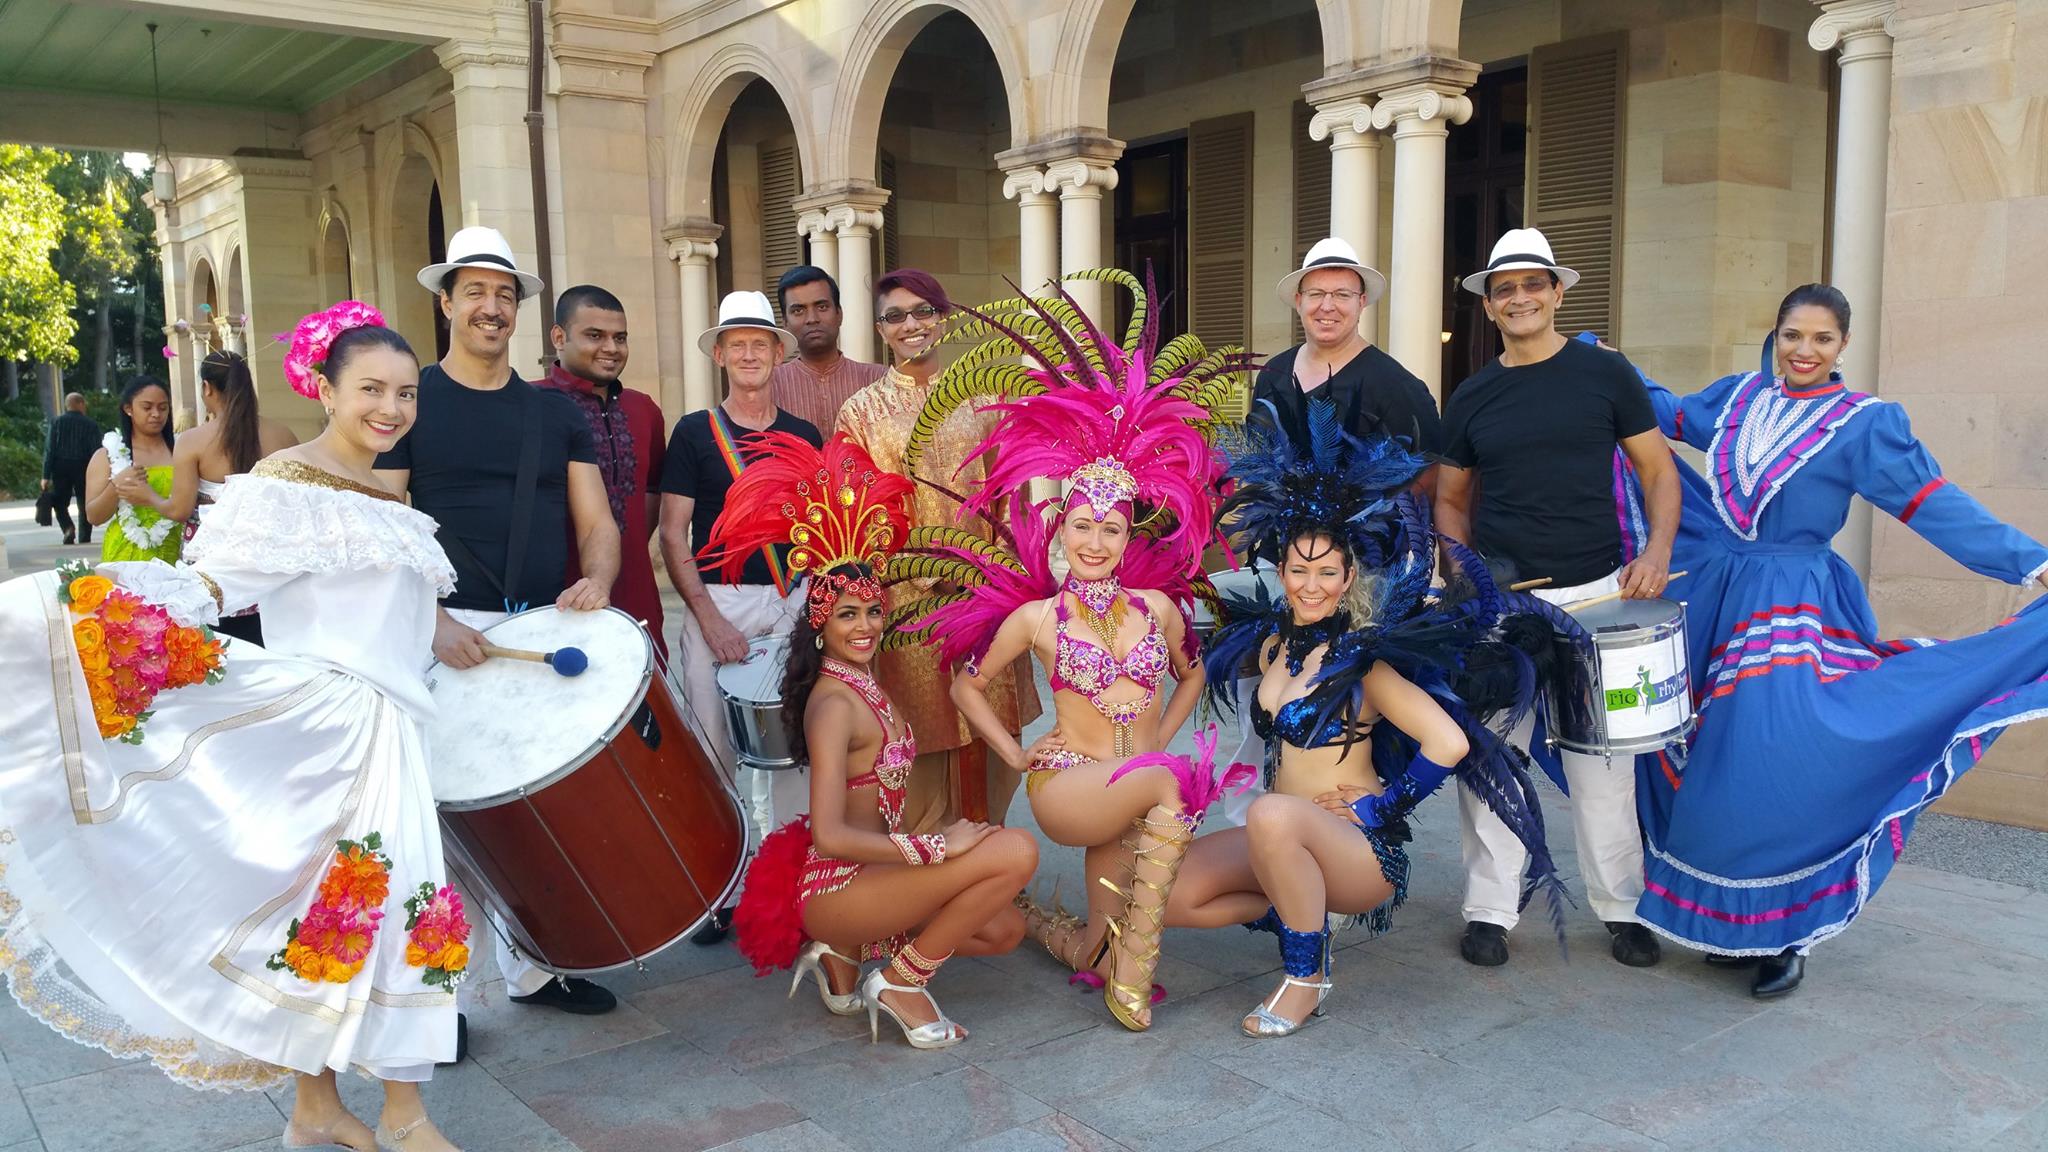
x=306 y=357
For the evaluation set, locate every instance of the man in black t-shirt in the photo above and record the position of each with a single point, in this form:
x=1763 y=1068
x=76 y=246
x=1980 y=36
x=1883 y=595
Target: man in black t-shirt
x=460 y=465
x=706 y=453
x=1528 y=477
x=1335 y=365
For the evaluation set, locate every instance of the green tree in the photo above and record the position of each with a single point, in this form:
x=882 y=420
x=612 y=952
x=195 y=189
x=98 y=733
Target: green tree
x=99 y=247
x=35 y=301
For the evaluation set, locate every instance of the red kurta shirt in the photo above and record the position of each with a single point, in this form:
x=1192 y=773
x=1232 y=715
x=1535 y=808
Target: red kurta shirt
x=629 y=435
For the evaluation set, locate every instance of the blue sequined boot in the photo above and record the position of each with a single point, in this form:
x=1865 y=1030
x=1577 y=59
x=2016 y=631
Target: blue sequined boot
x=1270 y=922
x=1304 y=956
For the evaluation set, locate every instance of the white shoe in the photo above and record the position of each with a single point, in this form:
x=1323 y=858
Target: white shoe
x=940 y=1033
x=812 y=963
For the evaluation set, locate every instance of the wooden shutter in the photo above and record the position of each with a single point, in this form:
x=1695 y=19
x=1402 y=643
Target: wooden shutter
x=1576 y=98
x=1311 y=191
x=782 y=246
x=891 y=244
x=1220 y=229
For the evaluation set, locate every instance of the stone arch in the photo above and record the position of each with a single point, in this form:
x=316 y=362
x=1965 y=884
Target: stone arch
x=870 y=65
x=237 y=303
x=1358 y=33
x=336 y=262
x=205 y=298
x=702 y=115
x=408 y=193
x=1079 y=95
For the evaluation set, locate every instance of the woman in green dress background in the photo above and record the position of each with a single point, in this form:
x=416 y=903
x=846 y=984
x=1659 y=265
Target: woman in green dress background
x=128 y=481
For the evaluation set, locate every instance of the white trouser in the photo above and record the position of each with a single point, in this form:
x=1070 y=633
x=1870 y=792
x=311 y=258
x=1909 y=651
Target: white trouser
x=756 y=610
x=1249 y=749
x=522 y=978
x=1603 y=796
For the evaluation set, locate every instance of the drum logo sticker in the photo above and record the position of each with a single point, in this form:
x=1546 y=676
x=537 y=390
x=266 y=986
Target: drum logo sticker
x=1645 y=693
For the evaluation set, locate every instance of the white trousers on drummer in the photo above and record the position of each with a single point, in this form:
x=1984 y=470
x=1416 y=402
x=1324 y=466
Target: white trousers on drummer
x=756 y=610
x=1603 y=796
x=522 y=978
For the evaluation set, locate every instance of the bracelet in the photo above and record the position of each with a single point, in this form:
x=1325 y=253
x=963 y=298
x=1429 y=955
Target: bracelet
x=929 y=849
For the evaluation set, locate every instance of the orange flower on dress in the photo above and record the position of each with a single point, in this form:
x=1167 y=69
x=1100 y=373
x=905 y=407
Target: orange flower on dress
x=332 y=942
x=88 y=593
x=118 y=608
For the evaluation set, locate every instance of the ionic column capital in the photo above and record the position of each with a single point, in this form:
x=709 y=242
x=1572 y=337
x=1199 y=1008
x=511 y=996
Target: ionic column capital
x=1421 y=109
x=1081 y=176
x=1345 y=122
x=693 y=241
x=1864 y=29
x=1028 y=181
x=814 y=223
x=854 y=219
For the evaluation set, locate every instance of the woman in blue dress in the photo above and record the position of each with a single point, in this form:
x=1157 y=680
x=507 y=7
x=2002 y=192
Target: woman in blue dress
x=1817 y=743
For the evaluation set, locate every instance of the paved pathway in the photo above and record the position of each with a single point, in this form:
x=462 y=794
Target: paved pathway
x=1924 y=1029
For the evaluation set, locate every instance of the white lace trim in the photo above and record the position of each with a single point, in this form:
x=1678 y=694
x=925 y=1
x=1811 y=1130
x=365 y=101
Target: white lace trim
x=180 y=592
x=265 y=524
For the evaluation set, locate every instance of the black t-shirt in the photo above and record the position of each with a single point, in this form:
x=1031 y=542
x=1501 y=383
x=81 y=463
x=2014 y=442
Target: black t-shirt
x=695 y=466
x=1372 y=392
x=1542 y=437
x=463 y=453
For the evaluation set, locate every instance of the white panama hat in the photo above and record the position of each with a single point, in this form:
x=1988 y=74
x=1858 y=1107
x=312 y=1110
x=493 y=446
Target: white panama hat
x=1332 y=252
x=1520 y=248
x=479 y=247
x=745 y=310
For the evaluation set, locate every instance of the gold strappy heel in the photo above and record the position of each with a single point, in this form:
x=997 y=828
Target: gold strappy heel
x=1162 y=842
x=1050 y=923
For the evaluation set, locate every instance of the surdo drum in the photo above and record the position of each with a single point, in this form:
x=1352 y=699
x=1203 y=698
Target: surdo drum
x=1632 y=692
x=582 y=809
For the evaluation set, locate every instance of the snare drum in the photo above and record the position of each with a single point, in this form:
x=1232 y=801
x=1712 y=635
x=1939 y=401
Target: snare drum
x=581 y=808
x=1632 y=692
x=751 y=693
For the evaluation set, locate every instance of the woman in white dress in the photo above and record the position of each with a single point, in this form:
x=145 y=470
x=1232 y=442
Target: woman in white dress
x=178 y=898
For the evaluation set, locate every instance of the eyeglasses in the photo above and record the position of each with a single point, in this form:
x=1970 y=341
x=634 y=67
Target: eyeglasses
x=1314 y=297
x=896 y=316
x=1506 y=290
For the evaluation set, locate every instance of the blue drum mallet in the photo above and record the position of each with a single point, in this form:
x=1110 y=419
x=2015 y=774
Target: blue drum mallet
x=567 y=661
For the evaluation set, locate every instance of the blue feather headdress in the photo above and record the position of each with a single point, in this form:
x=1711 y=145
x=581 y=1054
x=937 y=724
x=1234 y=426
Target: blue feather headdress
x=1342 y=487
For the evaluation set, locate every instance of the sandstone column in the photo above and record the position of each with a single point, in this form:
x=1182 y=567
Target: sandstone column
x=693 y=245
x=1421 y=115
x=816 y=228
x=1038 y=228
x=1354 y=182
x=1862 y=29
x=1081 y=181
x=855 y=216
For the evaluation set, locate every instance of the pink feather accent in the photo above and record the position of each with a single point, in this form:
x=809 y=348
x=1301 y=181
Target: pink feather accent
x=1199 y=785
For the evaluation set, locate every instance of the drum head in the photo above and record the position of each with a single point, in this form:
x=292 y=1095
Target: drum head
x=1625 y=615
x=756 y=680
x=508 y=724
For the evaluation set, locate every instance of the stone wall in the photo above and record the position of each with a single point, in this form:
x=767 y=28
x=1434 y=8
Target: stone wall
x=1966 y=244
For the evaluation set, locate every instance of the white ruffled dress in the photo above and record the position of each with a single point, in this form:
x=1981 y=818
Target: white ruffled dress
x=143 y=887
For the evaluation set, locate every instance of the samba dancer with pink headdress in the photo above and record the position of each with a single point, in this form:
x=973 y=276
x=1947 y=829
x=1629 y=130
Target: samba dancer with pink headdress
x=853 y=880
x=1122 y=425
x=229 y=863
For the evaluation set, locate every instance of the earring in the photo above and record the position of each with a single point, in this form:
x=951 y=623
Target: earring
x=819 y=640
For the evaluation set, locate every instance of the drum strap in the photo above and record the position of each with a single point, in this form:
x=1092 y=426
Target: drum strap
x=525 y=480
x=727 y=438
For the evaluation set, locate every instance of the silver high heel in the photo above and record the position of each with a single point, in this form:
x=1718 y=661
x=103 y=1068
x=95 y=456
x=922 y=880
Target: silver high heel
x=812 y=963
x=1264 y=1023
x=940 y=1033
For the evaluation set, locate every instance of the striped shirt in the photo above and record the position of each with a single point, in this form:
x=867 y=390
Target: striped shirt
x=815 y=397
x=74 y=437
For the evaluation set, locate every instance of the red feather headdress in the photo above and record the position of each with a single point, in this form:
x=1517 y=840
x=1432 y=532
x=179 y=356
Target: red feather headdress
x=830 y=506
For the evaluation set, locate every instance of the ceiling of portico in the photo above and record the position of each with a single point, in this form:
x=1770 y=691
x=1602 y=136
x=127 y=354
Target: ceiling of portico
x=102 y=50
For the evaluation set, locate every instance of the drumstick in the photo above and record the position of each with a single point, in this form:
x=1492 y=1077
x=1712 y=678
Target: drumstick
x=1525 y=585
x=1615 y=595
x=567 y=661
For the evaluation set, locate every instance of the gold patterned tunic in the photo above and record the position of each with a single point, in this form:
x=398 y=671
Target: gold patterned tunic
x=880 y=417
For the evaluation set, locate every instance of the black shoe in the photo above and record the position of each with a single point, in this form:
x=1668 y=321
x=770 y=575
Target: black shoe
x=68 y=539
x=715 y=930
x=85 y=537
x=461 y=1040
x=1723 y=960
x=1634 y=945
x=1484 y=944
x=571 y=995
x=1778 y=975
